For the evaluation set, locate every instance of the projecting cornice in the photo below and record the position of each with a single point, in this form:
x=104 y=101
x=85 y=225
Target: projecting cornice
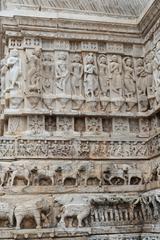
x=114 y=8
x=134 y=17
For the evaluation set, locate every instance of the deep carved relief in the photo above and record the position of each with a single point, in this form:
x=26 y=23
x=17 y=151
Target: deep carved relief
x=79 y=124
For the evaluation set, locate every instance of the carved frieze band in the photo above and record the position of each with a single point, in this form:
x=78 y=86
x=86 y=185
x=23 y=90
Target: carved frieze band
x=97 y=78
x=77 y=175
x=72 y=149
x=80 y=211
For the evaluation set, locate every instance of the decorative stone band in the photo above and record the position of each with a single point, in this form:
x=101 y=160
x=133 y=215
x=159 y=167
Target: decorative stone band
x=83 y=235
x=75 y=149
x=82 y=214
x=58 y=176
x=78 y=149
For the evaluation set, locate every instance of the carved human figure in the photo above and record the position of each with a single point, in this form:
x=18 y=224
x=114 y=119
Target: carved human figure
x=76 y=75
x=13 y=71
x=103 y=75
x=142 y=77
x=90 y=78
x=62 y=72
x=48 y=73
x=156 y=65
x=34 y=70
x=149 y=69
x=3 y=72
x=129 y=77
x=116 y=75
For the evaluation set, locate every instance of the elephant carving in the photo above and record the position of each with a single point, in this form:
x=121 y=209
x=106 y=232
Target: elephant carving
x=31 y=209
x=7 y=212
x=75 y=210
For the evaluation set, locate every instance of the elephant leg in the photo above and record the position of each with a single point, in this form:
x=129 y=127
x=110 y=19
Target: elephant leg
x=53 y=180
x=37 y=219
x=100 y=182
x=1 y=180
x=63 y=180
x=86 y=180
x=76 y=182
x=18 y=220
x=129 y=181
x=80 y=219
x=28 y=181
x=11 y=219
x=12 y=180
x=62 y=221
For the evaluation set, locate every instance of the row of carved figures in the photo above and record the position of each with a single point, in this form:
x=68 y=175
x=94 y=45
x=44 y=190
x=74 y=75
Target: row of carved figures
x=79 y=211
x=109 y=76
x=75 y=174
x=79 y=149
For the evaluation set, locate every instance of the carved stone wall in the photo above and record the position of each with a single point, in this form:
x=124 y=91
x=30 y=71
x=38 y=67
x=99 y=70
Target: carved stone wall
x=79 y=121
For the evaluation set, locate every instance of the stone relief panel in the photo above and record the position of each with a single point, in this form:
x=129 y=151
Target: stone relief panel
x=80 y=78
x=35 y=125
x=104 y=126
x=79 y=211
x=76 y=174
x=120 y=126
x=85 y=117
x=74 y=148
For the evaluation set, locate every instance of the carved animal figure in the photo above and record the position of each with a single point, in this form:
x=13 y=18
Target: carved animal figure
x=46 y=171
x=19 y=172
x=69 y=172
x=31 y=208
x=115 y=175
x=79 y=210
x=4 y=168
x=91 y=172
x=135 y=176
x=123 y=174
x=6 y=212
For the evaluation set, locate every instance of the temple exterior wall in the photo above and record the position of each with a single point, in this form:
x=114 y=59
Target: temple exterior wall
x=79 y=121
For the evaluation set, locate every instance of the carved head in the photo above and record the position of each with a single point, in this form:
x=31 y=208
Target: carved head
x=42 y=204
x=62 y=56
x=58 y=169
x=82 y=168
x=114 y=58
x=128 y=62
x=103 y=59
x=77 y=58
x=139 y=62
x=149 y=57
x=90 y=58
x=37 y=51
